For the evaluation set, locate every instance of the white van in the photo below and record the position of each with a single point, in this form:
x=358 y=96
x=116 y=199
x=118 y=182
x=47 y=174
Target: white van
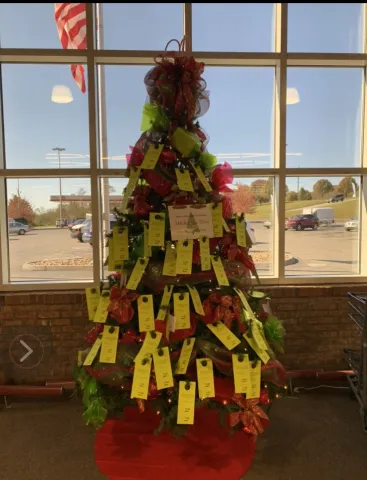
x=325 y=214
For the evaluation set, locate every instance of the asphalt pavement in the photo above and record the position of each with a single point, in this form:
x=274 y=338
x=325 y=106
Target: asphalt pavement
x=327 y=251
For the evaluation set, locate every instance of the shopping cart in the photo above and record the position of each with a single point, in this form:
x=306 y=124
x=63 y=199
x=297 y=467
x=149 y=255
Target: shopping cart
x=357 y=360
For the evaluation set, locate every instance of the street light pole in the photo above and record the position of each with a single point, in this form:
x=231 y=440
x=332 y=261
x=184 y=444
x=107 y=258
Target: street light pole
x=59 y=150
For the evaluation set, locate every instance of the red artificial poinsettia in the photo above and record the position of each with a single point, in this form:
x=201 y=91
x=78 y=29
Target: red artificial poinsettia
x=120 y=308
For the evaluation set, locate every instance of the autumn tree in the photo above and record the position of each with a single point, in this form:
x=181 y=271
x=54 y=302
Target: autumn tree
x=292 y=196
x=304 y=194
x=243 y=199
x=19 y=207
x=322 y=187
x=346 y=186
x=260 y=191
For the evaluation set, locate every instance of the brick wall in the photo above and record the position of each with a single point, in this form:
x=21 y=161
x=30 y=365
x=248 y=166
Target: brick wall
x=315 y=318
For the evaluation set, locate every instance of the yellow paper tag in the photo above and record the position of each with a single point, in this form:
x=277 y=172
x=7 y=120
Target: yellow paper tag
x=111 y=256
x=169 y=266
x=204 y=369
x=242 y=298
x=241 y=232
x=93 y=295
x=186 y=403
x=162 y=368
x=151 y=157
x=241 y=373
x=120 y=244
x=217 y=219
x=219 y=271
x=93 y=352
x=185 y=142
x=166 y=298
x=258 y=334
x=184 y=180
x=195 y=297
x=157 y=222
x=205 y=253
x=201 y=177
x=225 y=226
x=224 y=334
x=181 y=306
x=141 y=378
x=133 y=180
x=255 y=381
x=185 y=355
x=102 y=309
x=150 y=344
x=146 y=313
x=137 y=273
x=147 y=248
x=110 y=340
x=262 y=354
x=184 y=256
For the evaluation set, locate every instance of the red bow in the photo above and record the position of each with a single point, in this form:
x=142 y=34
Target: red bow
x=120 y=307
x=224 y=308
x=252 y=416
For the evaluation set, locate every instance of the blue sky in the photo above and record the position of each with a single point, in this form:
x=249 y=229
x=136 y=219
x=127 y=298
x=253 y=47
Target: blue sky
x=322 y=129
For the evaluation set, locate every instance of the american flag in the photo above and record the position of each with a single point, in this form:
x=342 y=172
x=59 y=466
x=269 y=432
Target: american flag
x=71 y=22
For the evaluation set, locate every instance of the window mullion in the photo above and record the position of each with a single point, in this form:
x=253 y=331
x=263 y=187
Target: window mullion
x=95 y=194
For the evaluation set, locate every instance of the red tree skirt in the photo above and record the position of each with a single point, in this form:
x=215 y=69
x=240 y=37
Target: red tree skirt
x=128 y=449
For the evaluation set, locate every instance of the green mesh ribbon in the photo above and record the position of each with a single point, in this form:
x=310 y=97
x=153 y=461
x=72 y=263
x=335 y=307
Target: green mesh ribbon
x=274 y=333
x=207 y=161
x=153 y=118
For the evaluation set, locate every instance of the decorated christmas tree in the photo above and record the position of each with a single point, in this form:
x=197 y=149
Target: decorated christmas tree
x=179 y=325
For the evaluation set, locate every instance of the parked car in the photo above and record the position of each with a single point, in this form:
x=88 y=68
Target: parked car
x=79 y=221
x=267 y=224
x=301 y=222
x=87 y=225
x=87 y=234
x=337 y=198
x=18 y=228
x=76 y=229
x=62 y=223
x=352 y=224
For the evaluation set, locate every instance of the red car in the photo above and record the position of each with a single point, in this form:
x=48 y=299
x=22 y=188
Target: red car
x=301 y=222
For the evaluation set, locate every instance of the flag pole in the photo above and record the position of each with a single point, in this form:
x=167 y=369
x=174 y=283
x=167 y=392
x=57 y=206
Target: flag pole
x=103 y=127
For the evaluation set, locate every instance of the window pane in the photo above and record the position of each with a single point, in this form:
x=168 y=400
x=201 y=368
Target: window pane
x=335 y=27
x=113 y=188
x=232 y=27
x=247 y=141
x=324 y=117
x=49 y=251
x=124 y=107
x=239 y=120
x=322 y=236
x=35 y=124
x=33 y=25
x=256 y=197
x=141 y=26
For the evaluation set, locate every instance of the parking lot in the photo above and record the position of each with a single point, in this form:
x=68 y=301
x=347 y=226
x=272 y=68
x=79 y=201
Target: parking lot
x=327 y=251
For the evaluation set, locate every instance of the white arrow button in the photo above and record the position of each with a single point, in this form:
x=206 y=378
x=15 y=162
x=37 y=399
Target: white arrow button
x=29 y=351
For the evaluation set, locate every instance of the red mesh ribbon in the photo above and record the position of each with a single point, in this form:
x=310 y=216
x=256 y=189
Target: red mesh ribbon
x=224 y=308
x=120 y=308
x=141 y=206
x=222 y=176
x=176 y=85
